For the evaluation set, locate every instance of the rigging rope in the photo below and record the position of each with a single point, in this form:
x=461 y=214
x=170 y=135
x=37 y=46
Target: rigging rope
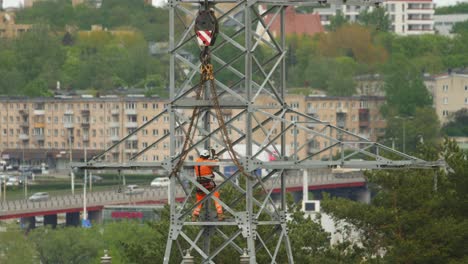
x=206 y=29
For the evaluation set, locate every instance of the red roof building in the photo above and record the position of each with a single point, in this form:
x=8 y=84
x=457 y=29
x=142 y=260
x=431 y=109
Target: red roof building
x=296 y=23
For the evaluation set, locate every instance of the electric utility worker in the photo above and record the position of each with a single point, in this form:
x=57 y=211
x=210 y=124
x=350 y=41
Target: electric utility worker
x=205 y=177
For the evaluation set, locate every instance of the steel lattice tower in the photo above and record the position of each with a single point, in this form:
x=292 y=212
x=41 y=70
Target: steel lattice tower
x=259 y=121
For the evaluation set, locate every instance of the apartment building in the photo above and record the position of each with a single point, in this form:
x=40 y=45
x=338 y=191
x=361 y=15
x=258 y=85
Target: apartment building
x=48 y=129
x=8 y=26
x=450 y=93
x=444 y=23
x=59 y=125
x=408 y=17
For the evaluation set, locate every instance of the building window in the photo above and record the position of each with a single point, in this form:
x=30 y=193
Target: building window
x=145 y=118
x=294 y=105
x=445 y=88
x=145 y=106
x=294 y=118
x=445 y=100
x=445 y=113
x=466 y=88
x=144 y=144
x=155 y=106
x=466 y=100
x=144 y=132
x=155 y=132
x=166 y=119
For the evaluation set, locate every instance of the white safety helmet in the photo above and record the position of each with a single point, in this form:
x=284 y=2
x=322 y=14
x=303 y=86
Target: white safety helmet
x=205 y=153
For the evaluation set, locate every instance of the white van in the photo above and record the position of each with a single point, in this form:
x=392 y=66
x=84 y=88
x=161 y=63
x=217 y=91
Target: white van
x=160 y=182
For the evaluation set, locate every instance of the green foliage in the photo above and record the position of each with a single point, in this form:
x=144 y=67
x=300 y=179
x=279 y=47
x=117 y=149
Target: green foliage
x=15 y=247
x=337 y=21
x=378 y=19
x=458 y=125
x=68 y=245
x=153 y=22
x=408 y=220
x=459 y=8
x=404 y=87
x=423 y=126
x=460 y=27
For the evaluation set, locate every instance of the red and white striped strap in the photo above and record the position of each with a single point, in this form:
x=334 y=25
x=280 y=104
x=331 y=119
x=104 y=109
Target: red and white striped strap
x=204 y=37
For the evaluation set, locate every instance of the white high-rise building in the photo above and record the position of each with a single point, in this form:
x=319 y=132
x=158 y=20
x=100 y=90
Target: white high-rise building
x=408 y=17
x=411 y=17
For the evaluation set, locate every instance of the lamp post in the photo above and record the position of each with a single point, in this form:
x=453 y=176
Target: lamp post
x=25 y=177
x=85 y=213
x=404 y=129
x=72 y=176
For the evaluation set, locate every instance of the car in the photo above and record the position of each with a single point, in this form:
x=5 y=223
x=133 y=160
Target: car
x=39 y=196
x=133 y=189
x=160 y=182
x=13 y=181
x=95 y=178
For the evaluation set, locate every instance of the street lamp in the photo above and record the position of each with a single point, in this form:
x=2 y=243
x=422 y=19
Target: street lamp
x=72 y=175
x=404 y=129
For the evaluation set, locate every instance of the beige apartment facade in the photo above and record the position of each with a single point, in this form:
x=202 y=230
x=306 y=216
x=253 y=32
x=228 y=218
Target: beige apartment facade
x=48 y=129
x=450 y=93
x=8 y=26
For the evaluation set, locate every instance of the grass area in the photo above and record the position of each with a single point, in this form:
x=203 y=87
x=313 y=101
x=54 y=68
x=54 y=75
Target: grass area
x=62 y=186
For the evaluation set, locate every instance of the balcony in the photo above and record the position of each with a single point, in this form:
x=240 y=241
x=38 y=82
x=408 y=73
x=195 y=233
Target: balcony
x=39 y=137
x=85 y=123
x=85 y=138
x=311 y=125
x=114 y=138
x=341 y=110
x=341 y=123
x=68 y=112
x=132 y=138
x=24 y=124
x=115 y=150
x=133 y=150
x=131 y=125
x=115 y=111
x=364 y=123
x=69 y=125
x=364 y=135
x=39 y=112
x=39 y=125
x=85 y=112
x=24 y=112
x=130 y=111
x=114 y=124
x=311 y=111
x=24 y=137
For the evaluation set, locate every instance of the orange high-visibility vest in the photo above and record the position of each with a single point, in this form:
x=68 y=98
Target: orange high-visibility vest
x=203 y=170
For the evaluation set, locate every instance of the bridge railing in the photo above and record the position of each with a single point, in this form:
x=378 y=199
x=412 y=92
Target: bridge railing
x=100 y=198
x=74 y=201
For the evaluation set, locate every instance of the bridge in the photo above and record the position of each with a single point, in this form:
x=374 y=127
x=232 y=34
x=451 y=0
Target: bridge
x=73 y=204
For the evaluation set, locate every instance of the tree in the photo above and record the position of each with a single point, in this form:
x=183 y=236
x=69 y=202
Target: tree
x=354 y=41
x=67 y=245
x=337 y=21
x=422 y=127
x=457 y=125
x=408 y=221
x=460 y=28
x=378 y=19
x=404 y=87
x=15 y=246
x=459 y=8
x=341 y=82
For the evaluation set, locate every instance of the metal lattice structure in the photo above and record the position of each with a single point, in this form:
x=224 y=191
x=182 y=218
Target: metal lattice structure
x=259 y=120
